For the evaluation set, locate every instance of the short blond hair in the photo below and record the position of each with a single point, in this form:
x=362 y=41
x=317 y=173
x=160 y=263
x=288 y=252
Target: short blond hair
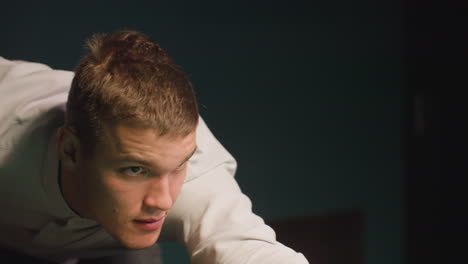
x=125 y=76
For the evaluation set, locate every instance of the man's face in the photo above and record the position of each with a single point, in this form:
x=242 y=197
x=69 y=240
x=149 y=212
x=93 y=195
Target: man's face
x=132 y=180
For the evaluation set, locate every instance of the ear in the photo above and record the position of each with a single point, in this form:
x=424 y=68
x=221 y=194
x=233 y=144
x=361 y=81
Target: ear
x=68 y=147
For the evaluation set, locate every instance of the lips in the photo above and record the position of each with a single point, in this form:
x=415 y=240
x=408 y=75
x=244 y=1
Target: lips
x=149 y=224
x=149 y=220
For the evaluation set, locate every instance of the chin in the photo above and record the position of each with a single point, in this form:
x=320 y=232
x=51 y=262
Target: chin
x=139 y=241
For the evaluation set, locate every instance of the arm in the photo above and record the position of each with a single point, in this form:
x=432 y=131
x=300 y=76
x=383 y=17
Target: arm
x=214 y=219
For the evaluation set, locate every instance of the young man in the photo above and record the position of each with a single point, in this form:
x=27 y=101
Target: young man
x=93 y=162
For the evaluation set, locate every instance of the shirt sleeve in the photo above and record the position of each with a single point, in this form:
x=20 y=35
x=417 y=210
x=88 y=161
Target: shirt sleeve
x=214 y=219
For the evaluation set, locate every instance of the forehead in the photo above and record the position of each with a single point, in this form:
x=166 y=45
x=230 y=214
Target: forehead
x=124 y=139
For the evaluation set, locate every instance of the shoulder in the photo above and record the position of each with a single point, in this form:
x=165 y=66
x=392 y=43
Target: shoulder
x=28 y=91
x=209 y=155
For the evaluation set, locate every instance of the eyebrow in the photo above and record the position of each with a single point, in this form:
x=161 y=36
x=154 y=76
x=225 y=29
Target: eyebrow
x=131 y=158
x=190 y=155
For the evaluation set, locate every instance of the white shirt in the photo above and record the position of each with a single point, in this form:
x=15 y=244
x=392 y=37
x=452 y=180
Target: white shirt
x=212 y=218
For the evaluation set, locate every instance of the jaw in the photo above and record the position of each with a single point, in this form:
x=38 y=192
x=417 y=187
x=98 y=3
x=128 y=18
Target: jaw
x=131 y=237
x=72 y=192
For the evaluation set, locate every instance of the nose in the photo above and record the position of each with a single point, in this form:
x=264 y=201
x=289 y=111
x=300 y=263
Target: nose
x=158 y=195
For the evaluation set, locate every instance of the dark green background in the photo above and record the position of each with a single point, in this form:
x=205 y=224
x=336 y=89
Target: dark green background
x=306 y=95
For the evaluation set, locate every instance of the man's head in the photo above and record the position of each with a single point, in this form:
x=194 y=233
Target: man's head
x=127 y=77
x=130 y=128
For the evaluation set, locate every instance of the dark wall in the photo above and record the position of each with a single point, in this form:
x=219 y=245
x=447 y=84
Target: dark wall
x=307 y=97
x=435 y=207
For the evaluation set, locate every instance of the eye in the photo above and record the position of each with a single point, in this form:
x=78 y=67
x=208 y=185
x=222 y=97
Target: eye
x=134 y=171
x=181 y=166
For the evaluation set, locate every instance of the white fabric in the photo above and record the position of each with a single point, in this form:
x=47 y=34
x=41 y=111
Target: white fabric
x=211 y=217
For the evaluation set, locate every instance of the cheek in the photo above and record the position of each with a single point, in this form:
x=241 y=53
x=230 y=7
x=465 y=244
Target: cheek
x=117 y=194
x=122 y=190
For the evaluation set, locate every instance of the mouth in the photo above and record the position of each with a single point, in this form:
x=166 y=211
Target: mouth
x=149 y=224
